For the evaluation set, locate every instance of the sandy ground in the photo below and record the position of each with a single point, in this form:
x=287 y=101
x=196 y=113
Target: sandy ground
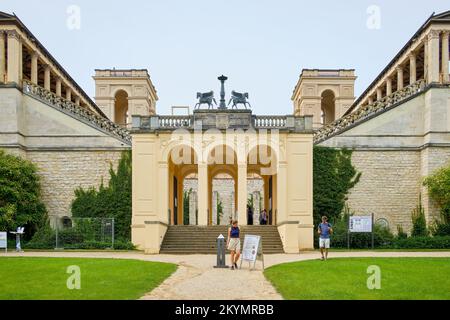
x=197 y=279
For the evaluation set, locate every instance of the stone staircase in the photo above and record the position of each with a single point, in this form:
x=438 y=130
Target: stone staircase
x=202 y=240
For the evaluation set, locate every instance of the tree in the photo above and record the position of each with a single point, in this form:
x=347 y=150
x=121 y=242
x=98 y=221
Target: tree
x=334 y=176
x=439 y=190
x=419 y=221
x=20 y=195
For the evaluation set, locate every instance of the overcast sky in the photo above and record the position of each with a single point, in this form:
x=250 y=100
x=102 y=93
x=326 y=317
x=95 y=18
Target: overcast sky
x=262 y=46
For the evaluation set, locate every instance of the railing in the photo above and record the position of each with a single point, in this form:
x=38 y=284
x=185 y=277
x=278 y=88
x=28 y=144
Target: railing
x=270 y=122
x=364 y=112
x=173 y=122
x=76 y=111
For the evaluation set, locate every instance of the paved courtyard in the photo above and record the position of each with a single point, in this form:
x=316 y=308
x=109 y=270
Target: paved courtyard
x=197 y=279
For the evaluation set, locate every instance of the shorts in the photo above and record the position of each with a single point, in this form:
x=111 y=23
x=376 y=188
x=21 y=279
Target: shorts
x=234 y=245
x=324 y=243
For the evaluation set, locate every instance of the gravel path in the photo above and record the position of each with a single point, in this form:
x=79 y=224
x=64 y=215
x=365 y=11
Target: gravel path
x=196 y=278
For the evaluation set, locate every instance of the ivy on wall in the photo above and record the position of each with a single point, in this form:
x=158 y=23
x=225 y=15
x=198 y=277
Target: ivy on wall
x=112 y=201
x=334 y=176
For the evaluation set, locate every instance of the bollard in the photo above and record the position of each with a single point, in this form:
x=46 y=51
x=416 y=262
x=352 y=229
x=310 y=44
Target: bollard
x=221 y=252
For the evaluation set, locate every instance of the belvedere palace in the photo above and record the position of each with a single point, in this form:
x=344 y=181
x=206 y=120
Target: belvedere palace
x=201 y=169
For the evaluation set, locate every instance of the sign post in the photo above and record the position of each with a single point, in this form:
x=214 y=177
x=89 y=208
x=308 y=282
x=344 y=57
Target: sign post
x=360 y=224
x=252 y=251
x=4 y=241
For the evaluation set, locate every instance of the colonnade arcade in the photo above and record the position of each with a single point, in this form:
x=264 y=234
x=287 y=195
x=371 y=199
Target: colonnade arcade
x=234 y=170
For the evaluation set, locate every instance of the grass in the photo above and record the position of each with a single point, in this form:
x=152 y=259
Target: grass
x=346 y=279
x=110 y=279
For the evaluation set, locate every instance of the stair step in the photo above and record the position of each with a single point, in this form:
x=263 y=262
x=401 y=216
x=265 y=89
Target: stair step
x=202 y=239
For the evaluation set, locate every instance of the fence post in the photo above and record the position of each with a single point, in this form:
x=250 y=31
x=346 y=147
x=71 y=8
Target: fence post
x=112 y=236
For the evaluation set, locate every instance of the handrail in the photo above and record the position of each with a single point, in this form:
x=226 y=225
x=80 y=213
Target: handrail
x=364 y=112
x=76 y=111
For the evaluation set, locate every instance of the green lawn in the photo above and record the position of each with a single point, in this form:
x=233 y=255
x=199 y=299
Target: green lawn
x=46 y=278
x=346 y=279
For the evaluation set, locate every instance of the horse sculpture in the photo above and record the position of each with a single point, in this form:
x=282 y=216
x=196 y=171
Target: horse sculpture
x=239 y=98
x=205 y=98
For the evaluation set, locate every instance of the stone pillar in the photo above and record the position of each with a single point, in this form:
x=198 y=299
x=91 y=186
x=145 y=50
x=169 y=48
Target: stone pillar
x=77 y=100
x=164 y=189
x=68 y=94
x=388 y=86
x=2 y=57
x=34 y=68
x=14 y=63
x=370 y=100
x=433 y=56
x=445 y=56
x=379 y=94
x=58 y=87
x=242 y=193
x=412 y=68
x=203 y=197
x=425 y=60
x=47 y=75
x=399 y=78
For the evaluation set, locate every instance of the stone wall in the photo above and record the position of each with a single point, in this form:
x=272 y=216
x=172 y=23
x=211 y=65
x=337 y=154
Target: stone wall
x=389 y=186
x=63 y=172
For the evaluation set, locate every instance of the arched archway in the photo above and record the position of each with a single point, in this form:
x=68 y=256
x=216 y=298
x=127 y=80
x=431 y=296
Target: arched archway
x=182 y=165
x=328 y=107
x=121 y=110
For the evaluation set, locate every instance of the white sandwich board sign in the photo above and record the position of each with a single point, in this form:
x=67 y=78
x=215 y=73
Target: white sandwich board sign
x=4 y=241
x=252 y=250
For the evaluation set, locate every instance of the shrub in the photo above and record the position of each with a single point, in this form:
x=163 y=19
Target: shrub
x=421 y=243
x=419 y=221
x=20 y=195
x=400 y=233
x=334 y=176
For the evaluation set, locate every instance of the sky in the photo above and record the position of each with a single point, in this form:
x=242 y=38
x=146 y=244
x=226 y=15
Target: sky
x=261 y=45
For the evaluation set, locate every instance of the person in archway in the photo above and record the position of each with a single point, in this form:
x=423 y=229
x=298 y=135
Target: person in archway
x=249 y=216
x=234 y=244
x=263 y=217
x=325 y=231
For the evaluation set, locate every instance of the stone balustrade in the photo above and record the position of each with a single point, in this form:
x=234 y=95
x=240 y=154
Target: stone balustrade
x=268 y=122
x=174 y=122
x=76 y=111
x=364 y=112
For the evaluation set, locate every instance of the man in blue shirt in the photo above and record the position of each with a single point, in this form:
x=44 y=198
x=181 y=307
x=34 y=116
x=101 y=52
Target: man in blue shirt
x=325 y=230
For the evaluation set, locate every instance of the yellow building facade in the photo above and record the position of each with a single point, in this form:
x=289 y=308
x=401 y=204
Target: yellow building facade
x=167 y=149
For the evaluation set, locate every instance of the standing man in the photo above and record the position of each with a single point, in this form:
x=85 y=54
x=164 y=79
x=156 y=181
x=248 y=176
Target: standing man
x=324 y=230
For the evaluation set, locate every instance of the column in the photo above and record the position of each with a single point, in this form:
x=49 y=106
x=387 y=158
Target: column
x=445 y=56
x=379 y=94
x=77 y=101
x=412 y=68
x=242 y=193
x=370 y=100
x=2 y=56
x=399 y=78
x=34 y=68
x=163 y=187
x=58 y=86
x=433 y=56
x=68 y=94
x=14 y=63
x=47 y=78
x=425 y=59
x=388 y=86
x=203 y=197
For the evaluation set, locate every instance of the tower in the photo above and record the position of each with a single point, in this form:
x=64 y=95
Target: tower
x=123 y=93
x=325 y=94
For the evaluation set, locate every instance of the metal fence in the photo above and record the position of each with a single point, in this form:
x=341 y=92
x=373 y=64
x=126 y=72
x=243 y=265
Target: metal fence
x=83 y=233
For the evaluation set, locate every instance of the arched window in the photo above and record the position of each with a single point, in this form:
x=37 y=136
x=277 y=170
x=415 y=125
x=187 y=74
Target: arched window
x=382 y=222
x=328 y=108
x=121 y=115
